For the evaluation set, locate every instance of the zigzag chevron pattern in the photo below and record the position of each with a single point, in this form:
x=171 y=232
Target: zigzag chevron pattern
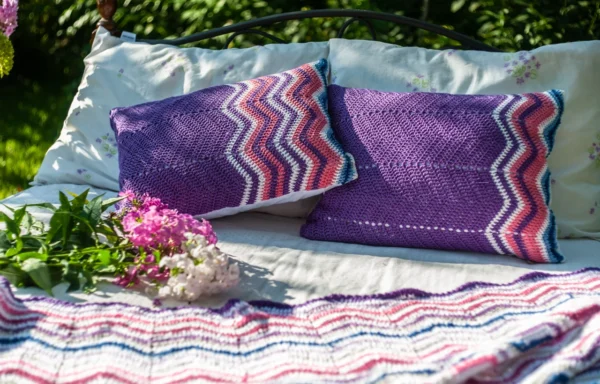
x=541 y=328
x=455 y=172
x=283 y=136
x=234 y=146
x=528 y=125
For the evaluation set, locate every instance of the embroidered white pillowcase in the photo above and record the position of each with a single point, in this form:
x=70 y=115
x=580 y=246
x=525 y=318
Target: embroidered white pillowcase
x=122 y=74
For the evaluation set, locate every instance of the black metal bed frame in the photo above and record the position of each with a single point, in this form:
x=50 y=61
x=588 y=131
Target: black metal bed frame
x=107 y=9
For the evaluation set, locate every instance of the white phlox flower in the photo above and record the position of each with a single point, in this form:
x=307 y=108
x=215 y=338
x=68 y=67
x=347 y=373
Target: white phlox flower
x=201 y=269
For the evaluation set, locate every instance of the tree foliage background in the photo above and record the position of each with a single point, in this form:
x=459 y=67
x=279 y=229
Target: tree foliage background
x=53 y=37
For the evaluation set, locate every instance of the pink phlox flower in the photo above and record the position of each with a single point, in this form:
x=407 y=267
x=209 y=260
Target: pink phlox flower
x=128 y=195
x=154 y=272
x=147 y=229
x=130 y=278
x=8 y=16
x=204 y=228
x=148 y=268
x=149 y=223
x=147 y=202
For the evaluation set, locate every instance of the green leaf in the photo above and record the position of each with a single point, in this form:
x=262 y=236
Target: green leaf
x=9 y=208
x=15 y=249
x=56 y=275
x=79 y=201
x=30 y=241
x=110 y=269
x=457 y=5
x=64 y=201
x=85 y=224
x=44 y=205
x=122 y=255
x=110 y=202
x=4 y=242
x=27 y=222
x=93 y=211
x=32 y=255
x=156 y=254
x=11 y=226
x=19 y=214
x=90 y=282
x=71 y=276
x=39 y=273
x=60 y=221
x=13 y=274
x=104 y=257
x=108 y=232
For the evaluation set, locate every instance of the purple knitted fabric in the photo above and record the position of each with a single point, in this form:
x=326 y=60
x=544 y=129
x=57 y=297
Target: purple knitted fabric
x=453 y=172
x=231 y=148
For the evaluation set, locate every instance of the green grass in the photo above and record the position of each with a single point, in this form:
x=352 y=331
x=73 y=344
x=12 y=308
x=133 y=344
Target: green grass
x=31 y=116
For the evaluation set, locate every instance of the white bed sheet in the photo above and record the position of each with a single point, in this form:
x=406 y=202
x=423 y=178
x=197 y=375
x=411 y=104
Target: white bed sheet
x=279 y=265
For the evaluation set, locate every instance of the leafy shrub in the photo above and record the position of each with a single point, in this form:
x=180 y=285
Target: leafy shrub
x=60 y=29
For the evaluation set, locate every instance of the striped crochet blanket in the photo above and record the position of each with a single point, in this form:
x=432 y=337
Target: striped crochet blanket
x=539 y=328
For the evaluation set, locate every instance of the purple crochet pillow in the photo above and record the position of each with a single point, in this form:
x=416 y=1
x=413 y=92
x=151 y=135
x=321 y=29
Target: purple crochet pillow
x=453 y=172
x=233 y=148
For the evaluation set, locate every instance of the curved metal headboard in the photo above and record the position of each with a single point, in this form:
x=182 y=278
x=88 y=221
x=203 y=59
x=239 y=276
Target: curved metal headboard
x=107 y=9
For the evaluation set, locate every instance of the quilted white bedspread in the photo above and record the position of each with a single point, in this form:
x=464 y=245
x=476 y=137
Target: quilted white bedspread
x=279 y=265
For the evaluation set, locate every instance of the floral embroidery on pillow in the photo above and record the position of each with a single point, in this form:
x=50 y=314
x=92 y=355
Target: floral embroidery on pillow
x=420 y=83
x=522 y=66
x=594 y=151
x=228 y=69
x=84 y=172
x=174 y=64
x=108 y=145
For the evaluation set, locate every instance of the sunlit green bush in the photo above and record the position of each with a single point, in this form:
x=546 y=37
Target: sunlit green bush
x=62 y=28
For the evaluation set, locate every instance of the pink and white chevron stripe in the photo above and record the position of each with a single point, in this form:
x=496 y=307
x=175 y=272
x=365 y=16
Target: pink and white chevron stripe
x=274 y=161
x=525 y=225
x=541 y=328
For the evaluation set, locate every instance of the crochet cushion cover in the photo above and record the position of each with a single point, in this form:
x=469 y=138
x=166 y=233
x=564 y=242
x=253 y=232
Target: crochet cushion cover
x=232 y=148
x=455 y=172
x=570 y=67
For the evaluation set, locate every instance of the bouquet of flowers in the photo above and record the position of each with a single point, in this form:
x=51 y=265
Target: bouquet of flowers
x=143 y=245
x=8 y=24
x=178 y=256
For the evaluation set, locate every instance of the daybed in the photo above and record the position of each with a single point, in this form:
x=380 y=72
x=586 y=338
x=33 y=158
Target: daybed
x=422 y=315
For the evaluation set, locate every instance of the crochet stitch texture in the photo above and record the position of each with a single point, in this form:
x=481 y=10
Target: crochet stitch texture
x=235 y=145
x=541 y=328
x=455 y=172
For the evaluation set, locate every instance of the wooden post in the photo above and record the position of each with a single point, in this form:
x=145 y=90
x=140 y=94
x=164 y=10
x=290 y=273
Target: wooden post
x=107 y=9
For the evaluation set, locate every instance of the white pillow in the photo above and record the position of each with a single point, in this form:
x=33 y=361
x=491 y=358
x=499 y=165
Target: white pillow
x=572 y=67
x=122 y=74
